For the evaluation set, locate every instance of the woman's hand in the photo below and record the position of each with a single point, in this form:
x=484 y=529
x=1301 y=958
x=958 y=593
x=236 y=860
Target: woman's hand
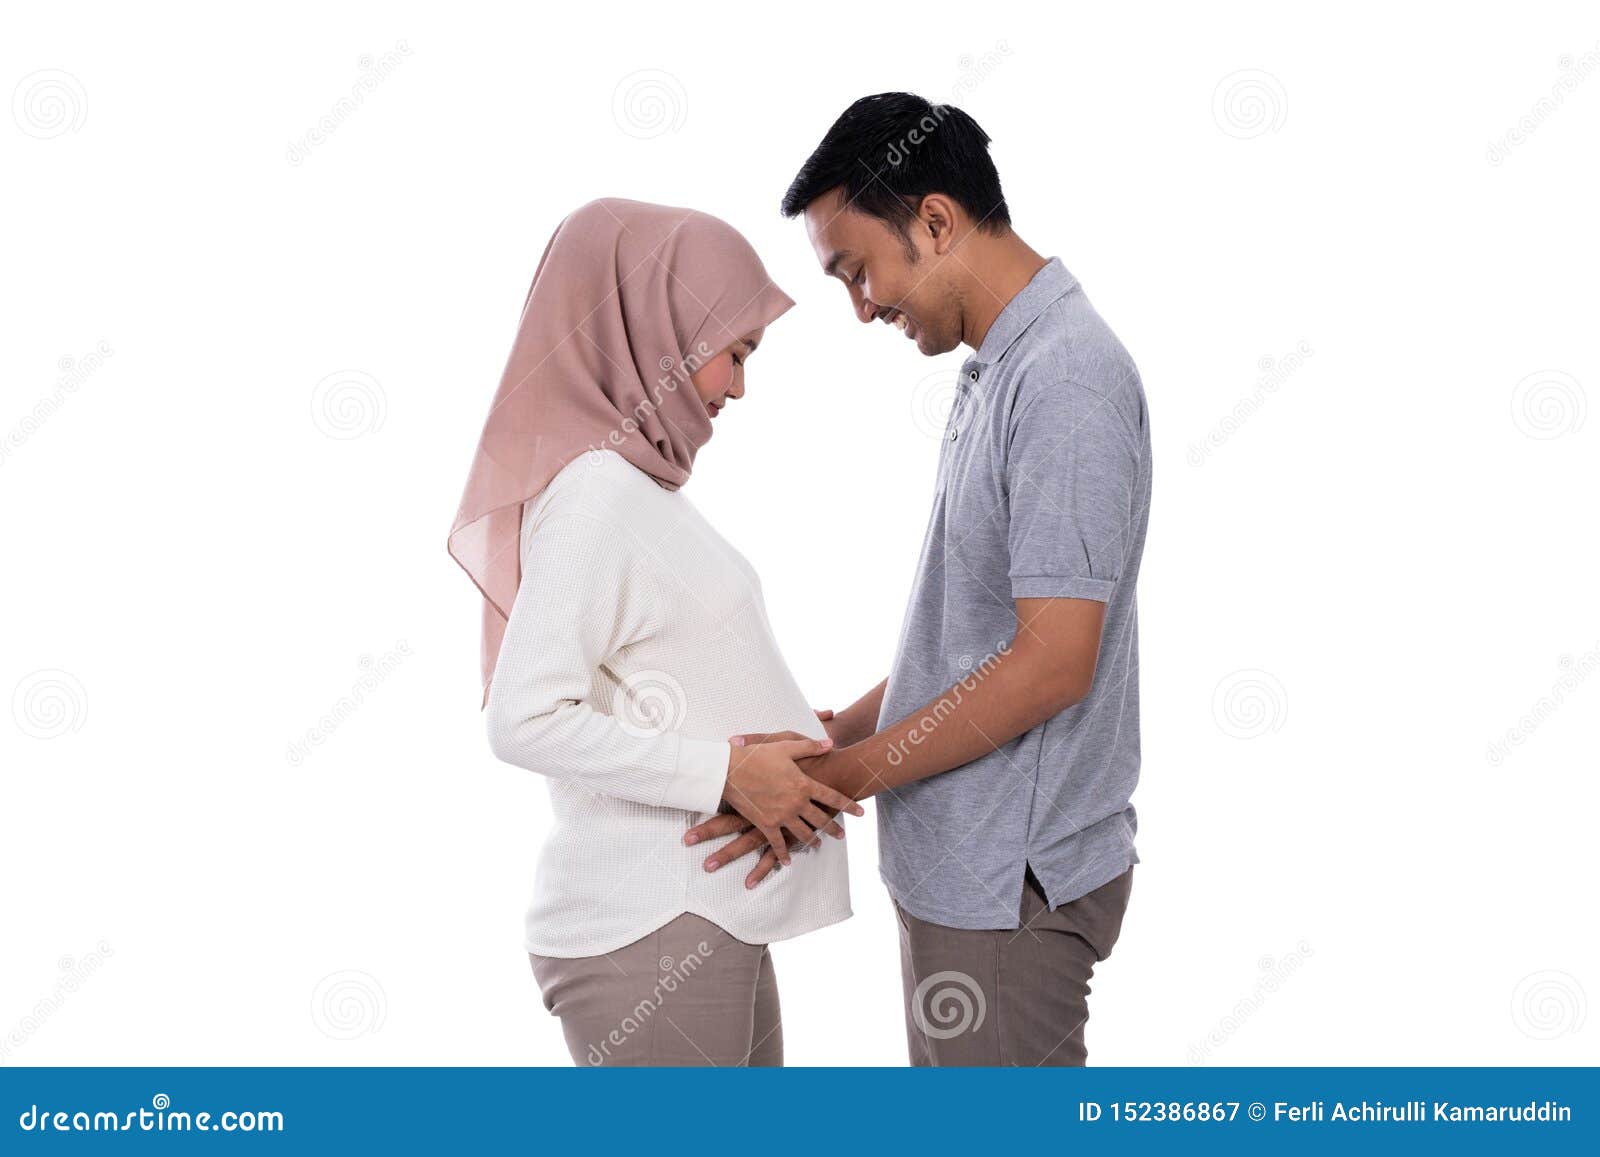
x=767 y=788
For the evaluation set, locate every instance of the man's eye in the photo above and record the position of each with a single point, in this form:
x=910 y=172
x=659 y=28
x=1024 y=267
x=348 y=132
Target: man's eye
x=859 y=277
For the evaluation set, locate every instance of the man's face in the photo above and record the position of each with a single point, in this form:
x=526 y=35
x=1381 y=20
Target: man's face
x=885 y=284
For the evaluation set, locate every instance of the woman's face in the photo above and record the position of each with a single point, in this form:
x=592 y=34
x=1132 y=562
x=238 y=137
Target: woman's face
x=722 y=377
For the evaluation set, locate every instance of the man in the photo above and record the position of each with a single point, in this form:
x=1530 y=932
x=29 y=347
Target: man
x=1004 y=745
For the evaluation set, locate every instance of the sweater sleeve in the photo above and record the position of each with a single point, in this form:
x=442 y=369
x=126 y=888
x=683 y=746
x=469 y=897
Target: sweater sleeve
x=585 y=596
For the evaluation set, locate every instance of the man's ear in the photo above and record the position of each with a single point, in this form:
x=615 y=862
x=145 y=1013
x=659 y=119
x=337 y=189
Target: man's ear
x=937 y=214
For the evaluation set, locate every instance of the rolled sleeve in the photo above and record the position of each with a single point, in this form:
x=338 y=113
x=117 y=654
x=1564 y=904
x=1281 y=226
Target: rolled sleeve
x=1071 y=472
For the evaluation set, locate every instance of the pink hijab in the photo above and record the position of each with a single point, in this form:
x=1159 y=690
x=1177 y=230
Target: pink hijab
x=629 y=299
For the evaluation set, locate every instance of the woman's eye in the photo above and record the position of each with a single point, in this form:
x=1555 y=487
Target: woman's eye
x=860 y=275
x=737 y=360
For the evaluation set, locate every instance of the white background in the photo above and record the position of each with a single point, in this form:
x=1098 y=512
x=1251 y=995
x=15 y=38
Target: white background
x=1348 y=595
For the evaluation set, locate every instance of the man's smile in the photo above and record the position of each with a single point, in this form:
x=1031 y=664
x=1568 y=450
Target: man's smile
x=897 y=319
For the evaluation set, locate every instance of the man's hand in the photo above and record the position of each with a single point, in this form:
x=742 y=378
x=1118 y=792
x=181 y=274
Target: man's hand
x=857 y=721
x=749 y=841
x=831 y=726
x=770 y=791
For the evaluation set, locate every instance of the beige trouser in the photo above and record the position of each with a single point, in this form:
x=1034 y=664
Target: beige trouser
x=1011 y=996
x=686 y=994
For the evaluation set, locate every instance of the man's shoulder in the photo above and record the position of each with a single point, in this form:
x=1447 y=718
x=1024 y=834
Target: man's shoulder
x=1069 y=363
x=1069 y=342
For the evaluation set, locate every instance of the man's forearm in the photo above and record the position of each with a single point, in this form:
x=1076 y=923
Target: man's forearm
x=1001 y=700
x=859 y=720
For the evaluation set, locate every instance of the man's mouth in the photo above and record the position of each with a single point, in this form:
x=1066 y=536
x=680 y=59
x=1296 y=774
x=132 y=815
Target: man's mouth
x=897 y=319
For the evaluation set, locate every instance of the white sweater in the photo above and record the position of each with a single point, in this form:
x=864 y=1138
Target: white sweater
x=638 y=644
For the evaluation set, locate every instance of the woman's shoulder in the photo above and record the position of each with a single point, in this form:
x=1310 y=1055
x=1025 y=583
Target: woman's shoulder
x=596 y=476
x=600 y=486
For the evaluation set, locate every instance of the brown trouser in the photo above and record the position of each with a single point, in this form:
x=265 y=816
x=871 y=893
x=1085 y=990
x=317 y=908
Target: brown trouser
x=686 y=994
x=1010 y=996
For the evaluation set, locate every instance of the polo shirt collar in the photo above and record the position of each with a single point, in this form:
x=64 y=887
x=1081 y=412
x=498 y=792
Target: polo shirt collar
x=1048 y=286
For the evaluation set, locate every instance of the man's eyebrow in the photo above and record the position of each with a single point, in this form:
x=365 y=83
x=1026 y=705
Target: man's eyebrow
x=832 y=267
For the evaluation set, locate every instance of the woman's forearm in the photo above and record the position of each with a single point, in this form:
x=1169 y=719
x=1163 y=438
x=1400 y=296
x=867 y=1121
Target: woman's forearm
x=573 y=742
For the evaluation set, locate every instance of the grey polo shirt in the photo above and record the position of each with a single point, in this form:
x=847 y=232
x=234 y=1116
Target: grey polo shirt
x=1043 y=492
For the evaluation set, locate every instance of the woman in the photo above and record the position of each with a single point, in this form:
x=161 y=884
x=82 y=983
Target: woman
x=625 y=641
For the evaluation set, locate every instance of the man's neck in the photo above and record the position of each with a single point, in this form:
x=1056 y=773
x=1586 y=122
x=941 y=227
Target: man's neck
x=1000 y=267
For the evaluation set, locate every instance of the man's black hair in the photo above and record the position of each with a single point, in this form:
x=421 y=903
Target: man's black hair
x=890 y=150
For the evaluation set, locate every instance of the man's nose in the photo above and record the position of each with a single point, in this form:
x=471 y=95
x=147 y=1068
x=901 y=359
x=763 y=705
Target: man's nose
x=865 y=310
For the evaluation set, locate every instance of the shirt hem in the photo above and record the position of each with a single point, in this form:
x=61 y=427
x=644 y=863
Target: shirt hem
x=611 y=944
x=1109 y=870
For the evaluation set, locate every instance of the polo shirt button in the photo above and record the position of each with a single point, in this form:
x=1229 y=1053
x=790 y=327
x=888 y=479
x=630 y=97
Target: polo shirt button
x=973 y=376
x=952 y=435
